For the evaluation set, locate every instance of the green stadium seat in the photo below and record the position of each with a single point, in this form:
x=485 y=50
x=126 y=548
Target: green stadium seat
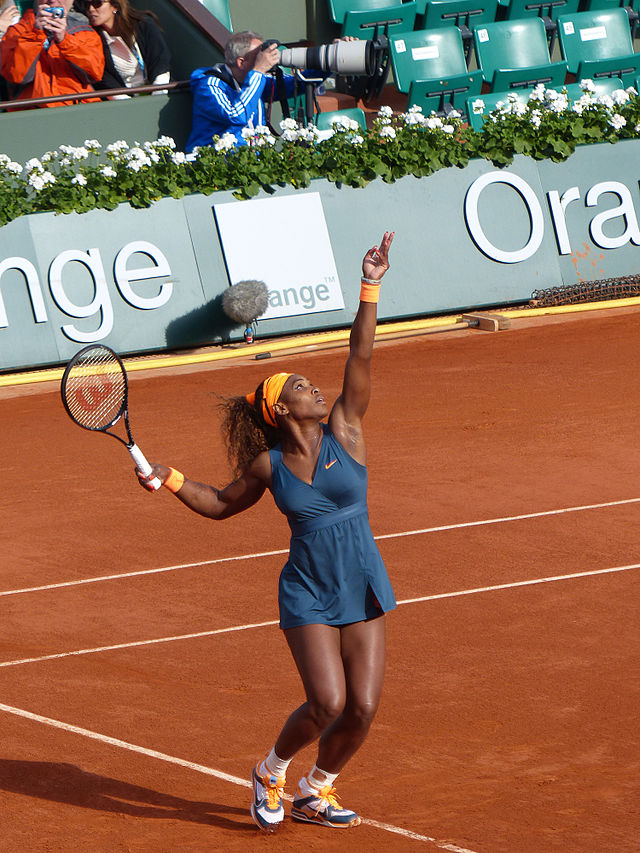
x=361 y=17
x=430 y=65
x=548 y=10
x=631 y=7
x=598 y=44
x=516 y=9
x=324 y=121
x=220 y=10
x=464 y=14
x=515 y=54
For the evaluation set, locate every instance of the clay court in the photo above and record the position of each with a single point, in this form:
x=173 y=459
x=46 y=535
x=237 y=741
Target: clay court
x=142 y=672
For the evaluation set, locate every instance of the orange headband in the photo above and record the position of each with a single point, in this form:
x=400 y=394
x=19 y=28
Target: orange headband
x=271 y=390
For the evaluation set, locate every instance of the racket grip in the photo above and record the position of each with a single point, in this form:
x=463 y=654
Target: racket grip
x=141 y=463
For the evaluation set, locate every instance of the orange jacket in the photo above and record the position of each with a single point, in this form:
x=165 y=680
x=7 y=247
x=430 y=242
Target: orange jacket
x=68 y=67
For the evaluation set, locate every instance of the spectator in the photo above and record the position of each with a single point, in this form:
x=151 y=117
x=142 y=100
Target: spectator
x=51 y=51
x=135 y=51
x=9 y=15
x=229 y=97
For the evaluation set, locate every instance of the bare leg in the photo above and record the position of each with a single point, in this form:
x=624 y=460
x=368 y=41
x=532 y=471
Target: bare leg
x=342 y=670
x=316 y=650
x=363 y=653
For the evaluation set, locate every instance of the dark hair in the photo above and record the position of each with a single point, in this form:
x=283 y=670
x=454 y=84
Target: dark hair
x=245 y=431
x=128 y=17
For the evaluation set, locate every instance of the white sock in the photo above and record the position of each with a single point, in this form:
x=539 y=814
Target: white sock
x=274 y=766
x=315 y=780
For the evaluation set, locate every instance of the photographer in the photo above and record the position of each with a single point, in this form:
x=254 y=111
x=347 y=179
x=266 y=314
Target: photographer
x=227 y=98
x=52 y=50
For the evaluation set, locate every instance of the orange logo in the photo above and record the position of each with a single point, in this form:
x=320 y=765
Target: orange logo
x=329 y=464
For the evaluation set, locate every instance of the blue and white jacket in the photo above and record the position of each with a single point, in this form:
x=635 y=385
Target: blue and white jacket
x=222 y=105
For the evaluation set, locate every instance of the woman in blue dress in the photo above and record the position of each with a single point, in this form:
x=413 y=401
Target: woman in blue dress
x=334 y=589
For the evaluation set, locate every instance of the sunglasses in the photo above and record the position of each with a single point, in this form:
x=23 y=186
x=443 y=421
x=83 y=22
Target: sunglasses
x=97 y=3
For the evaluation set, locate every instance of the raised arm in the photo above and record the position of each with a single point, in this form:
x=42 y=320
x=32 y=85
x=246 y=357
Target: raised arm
x=209 y=501
x=351 y=405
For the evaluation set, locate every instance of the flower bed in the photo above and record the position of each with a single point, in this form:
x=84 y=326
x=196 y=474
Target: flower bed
x=79 y=179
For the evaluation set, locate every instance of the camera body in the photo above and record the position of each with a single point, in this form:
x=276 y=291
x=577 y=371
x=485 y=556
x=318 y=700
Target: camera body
x=54 y=11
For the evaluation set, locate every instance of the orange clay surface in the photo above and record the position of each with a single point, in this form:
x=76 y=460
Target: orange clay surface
x=509 y=720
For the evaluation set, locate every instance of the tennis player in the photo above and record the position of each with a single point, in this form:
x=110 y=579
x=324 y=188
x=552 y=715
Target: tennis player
x=334 y=589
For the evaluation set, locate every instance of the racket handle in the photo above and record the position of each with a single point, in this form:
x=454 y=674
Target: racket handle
x=141 y=463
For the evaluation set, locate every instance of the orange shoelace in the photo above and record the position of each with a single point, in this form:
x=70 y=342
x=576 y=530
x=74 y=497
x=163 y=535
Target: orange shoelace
x=274 y=790
x=328 y=797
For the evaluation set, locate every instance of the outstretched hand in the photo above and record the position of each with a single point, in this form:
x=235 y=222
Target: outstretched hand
x=376 y=261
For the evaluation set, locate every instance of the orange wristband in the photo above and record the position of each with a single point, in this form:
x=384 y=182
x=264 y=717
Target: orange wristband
x=369 y=292
x=174 y=481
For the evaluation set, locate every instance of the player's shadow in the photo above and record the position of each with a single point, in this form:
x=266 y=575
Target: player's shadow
x=66 y=783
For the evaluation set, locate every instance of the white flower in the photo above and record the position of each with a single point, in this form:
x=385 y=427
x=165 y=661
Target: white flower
x=92 y=144
x=48 y=156
x=13 y=167
x=48 y=178
x=415 y=108
x=134 y=165
x=617 y=121
x=478 y=107
x=433 y=122
x=344 y=123
x=455 y=114
x=165 y=142
x=637 y=128
x=226 y=142
x=4 y=159
x=620 y=97
x=138 y=156
x=117 y=147
x=587 y=85
x=65 y=161
x=559 y=104
x=536 y=118
x=578 y=107
x=448 y=128
x=36 y=182
x=606 y=101
x=108 y=172
x=80 y=180
x=356 y=140
x=385 y=112
x=80 y=153
x=179 y=158
x=290 y=135
x=288 y=124
x=33 y=165
x=412 y=119
x=538 y=93
x=387 y=132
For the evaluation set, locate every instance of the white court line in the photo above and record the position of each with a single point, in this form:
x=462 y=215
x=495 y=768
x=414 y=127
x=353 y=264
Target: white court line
x=459 y=526
x=201 y=768
x=435 y=597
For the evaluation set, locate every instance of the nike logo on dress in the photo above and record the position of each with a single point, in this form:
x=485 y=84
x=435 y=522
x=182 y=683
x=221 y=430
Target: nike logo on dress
x=329 y=464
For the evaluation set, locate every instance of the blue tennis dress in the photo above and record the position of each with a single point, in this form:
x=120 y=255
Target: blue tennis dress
x=335 y=574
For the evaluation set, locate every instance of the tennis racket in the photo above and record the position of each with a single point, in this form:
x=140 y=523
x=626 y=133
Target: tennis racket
x=95 y=394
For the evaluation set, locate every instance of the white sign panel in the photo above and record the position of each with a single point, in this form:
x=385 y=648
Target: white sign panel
x=285 y=243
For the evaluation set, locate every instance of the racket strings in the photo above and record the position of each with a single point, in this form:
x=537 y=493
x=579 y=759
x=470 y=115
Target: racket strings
x=95 y=390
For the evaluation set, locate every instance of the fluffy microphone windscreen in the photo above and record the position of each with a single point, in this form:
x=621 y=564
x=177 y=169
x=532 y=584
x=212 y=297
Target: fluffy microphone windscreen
x=245 y=301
